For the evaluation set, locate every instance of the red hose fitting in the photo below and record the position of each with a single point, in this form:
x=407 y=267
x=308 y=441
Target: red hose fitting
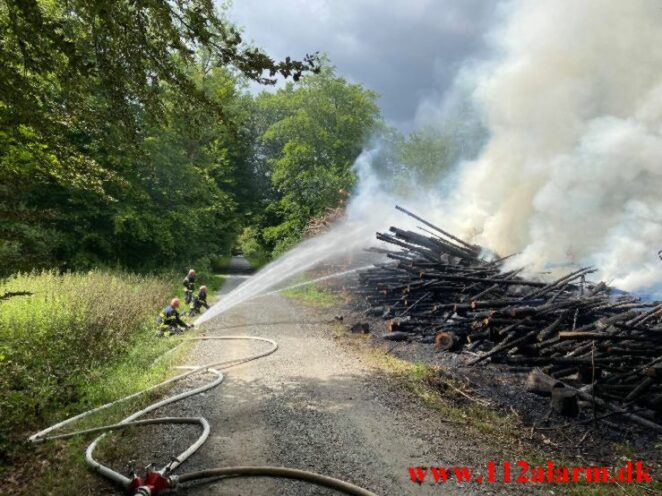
x=151 y=485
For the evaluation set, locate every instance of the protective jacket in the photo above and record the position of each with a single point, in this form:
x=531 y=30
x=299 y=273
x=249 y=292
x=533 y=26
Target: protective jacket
x=189 y=282
x=169 y=317
x=200 y=300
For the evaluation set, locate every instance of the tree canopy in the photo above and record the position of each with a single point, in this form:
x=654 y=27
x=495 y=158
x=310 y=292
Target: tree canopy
x=307 y=138
x=128 y=137
x=120 y=130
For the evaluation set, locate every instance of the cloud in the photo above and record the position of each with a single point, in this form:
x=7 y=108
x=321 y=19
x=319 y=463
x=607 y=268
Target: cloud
x=407 y=51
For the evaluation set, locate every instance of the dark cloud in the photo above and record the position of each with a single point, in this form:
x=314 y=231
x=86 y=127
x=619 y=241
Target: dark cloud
x=406 y=50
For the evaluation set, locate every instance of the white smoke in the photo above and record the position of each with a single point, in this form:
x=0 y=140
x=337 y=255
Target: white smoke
x=572 y=170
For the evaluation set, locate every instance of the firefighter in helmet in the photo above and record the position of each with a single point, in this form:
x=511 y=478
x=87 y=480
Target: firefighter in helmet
x=169 y=322
x=189 y=286
x=199 y=301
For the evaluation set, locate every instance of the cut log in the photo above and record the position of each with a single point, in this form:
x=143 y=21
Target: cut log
x=540 y=383
x=564 y=401
x=641 y=388
x=360 y=328
x=446 y=341
x=588 y=374
x=397 y=324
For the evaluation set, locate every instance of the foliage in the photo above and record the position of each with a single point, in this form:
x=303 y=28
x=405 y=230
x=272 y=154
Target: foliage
x=308 y=139
x=427 y=154
x=251 y=247
x=127 y=138
x=127 y=49
x=63 y=338
x=120 y=131
x=404 y=163
x=173 y=199
x=189 y=181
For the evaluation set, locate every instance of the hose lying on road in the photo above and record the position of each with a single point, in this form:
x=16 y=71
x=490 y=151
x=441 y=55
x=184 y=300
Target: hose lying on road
x=281 y=472
x=165 y=480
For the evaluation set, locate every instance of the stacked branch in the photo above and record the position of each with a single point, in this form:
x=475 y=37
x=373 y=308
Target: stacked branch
x=437 y=288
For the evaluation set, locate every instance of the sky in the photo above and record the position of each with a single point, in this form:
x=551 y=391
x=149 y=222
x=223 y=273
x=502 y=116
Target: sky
x=408 y=51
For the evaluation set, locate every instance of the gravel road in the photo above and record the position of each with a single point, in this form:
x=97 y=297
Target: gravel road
x=316 y=405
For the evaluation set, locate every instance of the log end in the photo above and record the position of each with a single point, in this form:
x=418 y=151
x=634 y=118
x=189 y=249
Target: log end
x=446 y=341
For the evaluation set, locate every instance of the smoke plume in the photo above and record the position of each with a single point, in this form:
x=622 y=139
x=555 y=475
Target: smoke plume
x=568 y=113
x=572 y=170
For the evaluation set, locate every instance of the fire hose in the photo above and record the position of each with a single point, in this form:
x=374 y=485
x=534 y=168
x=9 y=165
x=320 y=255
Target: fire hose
x=155 y=481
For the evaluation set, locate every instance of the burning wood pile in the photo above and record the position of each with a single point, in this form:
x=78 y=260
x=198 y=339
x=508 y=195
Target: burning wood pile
x=584 y=344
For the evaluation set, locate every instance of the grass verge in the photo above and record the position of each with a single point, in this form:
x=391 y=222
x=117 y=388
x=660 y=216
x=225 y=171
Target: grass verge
x=311 y=295
x=70 y=342
x=58 y=467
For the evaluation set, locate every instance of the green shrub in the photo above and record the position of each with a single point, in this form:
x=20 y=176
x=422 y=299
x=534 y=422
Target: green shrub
x=54 y=342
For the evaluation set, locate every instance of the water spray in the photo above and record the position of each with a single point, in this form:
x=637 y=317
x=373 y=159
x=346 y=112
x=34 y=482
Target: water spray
x=305 y=256
x=314 y=281
x=309 y=254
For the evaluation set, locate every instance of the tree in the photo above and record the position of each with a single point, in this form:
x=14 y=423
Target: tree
x=128 y=48
x=90 y=91
x=310 y=136
x=402 y=164
x=186 y=189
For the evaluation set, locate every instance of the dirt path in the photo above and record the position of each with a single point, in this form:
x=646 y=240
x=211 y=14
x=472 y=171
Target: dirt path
x=316 y=405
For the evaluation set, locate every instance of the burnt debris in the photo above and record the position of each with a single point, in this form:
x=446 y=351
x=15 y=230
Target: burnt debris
x=602 y=349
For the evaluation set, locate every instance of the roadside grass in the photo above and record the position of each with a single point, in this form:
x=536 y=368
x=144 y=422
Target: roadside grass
x=60 y=465
x=312 y=295
x=76 y=341
x=423 y=381
x=499 y=428
x=214 y=283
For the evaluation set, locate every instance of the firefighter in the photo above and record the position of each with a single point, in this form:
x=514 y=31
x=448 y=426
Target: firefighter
x=169 y=322
x=199 y=301
x=189 y=286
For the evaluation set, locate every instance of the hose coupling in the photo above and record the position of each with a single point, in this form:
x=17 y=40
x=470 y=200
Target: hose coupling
x=151 y=485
